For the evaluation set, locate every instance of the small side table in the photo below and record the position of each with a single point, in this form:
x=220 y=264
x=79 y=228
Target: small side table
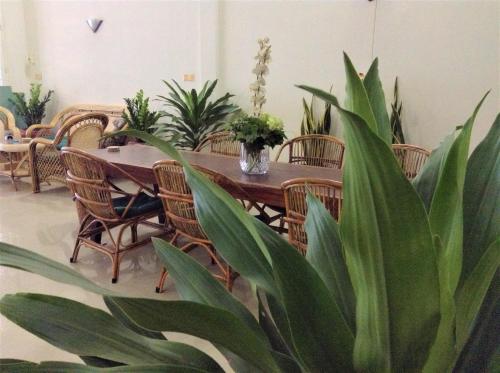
x=14 y=161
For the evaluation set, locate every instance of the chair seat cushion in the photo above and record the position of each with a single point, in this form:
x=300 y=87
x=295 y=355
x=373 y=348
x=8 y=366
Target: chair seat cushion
x=143 y=204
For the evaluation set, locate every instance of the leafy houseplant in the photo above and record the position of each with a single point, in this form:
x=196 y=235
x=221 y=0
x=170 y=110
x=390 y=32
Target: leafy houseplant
x=33 y=110
x=398 y=285
x=398 y=136
x=256 y=135
x=193 y=117
x=311 y=124
x=138 y=116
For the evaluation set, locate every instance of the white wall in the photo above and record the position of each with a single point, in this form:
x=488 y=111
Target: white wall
x=446 y=53
x=138 y=44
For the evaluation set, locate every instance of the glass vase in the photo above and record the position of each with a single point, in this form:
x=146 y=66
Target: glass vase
x=254 y=162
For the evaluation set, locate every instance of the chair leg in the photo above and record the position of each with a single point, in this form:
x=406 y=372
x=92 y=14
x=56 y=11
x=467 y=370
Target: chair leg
x=282 y=225
x=116 y=255
x=229 y=279
x=76 y=250
x=133 y=231
x=161 y=283
x=212 y=260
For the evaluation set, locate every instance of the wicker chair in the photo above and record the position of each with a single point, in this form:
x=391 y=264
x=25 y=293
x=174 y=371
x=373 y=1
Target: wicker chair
x=411 y=158
x=221 y=143
x=295 y=191
x=314 y=150
x=8 y=123
x=82 y=132
x=113 y=112
x=310 y=150
x=179 y=207
x=87 y=177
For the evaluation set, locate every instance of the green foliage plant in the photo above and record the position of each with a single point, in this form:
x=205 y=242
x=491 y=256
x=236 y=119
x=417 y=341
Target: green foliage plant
x=311 y=124
x=258 y=132
x=407 y=281
x=398 y=136
x=138 y=116
x=32 y=110
x=192 y=117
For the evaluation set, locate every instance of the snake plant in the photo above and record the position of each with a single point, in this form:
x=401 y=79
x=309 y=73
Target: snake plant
x=311 y=124
x=398 y=136
x=191 y=116
x=404 y=283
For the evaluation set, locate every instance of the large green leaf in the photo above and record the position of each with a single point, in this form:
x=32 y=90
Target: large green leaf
x=88 y=331
x=376 y=96
x=470 y=295
x=16 y=257
x=390 y=253
x=20 y=366
x=357 y=100
x=195 y=283
x=224 y=220
x=122 y=317
x=482 y=199
x=325 y=253
x=310 y=309
x=426 y=180
x=213 y=324
x=446 y=212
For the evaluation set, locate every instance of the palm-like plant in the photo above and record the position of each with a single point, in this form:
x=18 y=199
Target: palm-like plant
x=399 y=285
x=398 y=136
x=33 y=110
x=192 y=116
x=138 y=116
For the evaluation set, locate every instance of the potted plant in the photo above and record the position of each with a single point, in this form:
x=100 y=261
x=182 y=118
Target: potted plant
x=138 y=116
x=257 y=135
x=33 y=110
x=192 y=117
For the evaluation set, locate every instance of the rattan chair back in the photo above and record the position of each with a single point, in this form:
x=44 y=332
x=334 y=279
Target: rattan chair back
x=222 y=143
x=177 y=198
x=329 y=192
x=411 y=158
x=87 y=177
x=315 y=150
x=8 y=123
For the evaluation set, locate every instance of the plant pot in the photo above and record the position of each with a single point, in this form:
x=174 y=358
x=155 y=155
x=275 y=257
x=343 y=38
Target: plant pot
x=254 y=161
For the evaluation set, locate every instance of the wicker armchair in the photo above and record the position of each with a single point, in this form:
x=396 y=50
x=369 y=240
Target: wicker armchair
x=411 y=158
x=8 y=123
x=113 y=112
x=221 y=143
x=87 y=178
x=179 y=207
x=295 y=191
x=82 y=132
x=314 y=150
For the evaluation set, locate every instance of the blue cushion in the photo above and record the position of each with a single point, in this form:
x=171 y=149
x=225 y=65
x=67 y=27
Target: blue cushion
x=62 y=144
x=142 y=205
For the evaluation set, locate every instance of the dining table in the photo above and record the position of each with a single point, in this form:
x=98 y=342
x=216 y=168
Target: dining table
x=138 y=160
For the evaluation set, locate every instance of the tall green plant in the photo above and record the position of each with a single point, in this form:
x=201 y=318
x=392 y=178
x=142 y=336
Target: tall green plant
x=311 y=124
x=192 y=117
x=382 y=291
x=138 y=116
x=398 y=136
x=33 y=110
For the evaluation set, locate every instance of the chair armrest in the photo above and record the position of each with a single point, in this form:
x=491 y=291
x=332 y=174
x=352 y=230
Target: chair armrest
x=34 y=127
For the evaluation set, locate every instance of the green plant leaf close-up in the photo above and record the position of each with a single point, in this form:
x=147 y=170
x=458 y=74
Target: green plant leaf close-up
x=88 y=331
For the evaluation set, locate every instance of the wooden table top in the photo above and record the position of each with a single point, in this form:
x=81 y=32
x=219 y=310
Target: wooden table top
x=138 y=159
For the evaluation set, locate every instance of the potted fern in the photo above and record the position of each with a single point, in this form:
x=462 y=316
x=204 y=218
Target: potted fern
x=138 y=116
x=32 y=111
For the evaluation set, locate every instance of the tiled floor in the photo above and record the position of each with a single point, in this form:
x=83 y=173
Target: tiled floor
x=46 y=223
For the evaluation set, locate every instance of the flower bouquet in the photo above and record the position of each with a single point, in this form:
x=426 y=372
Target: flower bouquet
x=257 y=135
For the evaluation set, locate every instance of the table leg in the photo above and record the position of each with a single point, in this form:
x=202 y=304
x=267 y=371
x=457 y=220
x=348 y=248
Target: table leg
x=12 y=176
